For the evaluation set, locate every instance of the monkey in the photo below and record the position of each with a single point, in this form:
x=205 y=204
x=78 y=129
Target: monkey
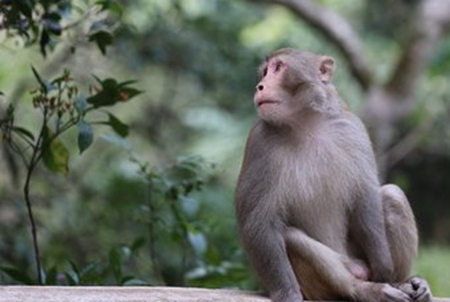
x=312 y=215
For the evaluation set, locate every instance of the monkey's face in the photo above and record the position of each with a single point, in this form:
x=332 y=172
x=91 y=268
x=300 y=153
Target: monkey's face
x=272 y=98
x=292 y=83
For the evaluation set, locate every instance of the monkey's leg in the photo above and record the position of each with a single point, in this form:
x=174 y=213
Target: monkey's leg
x=403 y=242
x=323 y=274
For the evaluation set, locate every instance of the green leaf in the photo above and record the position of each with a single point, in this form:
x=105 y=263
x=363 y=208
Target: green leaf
x=197 y=241
x=112 y=92
x=134 y=282
x=127 y=83
x=39 y=79
x=85 y=136
x=70 y=279
x=81 y=103
x=51 y=276
x=126 y=279
x=137 y=244
x=107 y=96
x=118 y=127
x=128 y=93
x=17 y=275
x=115 y=264
x=55 y=154
x=73 y=277
x=25 y=7
x=24 y=131
x=103 y=40
x=110 y=5
x=92 y=274
x=44 y=41
x=51 y=23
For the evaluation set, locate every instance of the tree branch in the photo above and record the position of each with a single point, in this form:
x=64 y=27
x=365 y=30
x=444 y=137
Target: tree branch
x=431 y=21
x=337 y=30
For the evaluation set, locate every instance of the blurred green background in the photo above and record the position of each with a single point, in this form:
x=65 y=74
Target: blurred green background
x=157 y=207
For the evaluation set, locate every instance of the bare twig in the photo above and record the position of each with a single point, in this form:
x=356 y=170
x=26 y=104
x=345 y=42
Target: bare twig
x=26 y=191
x=406 y=145
x=431 y=20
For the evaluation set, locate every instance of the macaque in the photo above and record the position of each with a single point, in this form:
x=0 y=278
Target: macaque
x=313 y=218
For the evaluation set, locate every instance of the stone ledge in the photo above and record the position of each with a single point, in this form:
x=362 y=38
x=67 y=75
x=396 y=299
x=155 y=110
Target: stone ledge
x=127 y=294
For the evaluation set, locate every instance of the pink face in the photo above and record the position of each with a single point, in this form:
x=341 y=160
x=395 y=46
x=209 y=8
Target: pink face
x=290 y=82
x=270 y=97
x=271 y=74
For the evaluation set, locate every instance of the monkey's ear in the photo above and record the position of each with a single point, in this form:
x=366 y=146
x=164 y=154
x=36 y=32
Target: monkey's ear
x=326 y=69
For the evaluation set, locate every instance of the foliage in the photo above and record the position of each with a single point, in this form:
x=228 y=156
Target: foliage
x=43 y=21
x=62 y=107
x=92 y=274
x=173 y=211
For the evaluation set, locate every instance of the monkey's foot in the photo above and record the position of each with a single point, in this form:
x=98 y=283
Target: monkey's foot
x=395 y=295
x=379 y=292
x=418 y=289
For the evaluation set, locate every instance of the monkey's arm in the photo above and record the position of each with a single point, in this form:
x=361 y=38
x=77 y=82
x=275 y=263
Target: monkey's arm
x=265 y=246
x=260 y=225
x=368 y=230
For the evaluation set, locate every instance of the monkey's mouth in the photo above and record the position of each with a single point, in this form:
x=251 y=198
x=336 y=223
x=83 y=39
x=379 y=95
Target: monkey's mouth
x=264 y=102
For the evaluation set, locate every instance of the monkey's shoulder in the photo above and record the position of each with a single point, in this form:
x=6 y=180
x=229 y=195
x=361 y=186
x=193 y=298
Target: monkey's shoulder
x=348 y=132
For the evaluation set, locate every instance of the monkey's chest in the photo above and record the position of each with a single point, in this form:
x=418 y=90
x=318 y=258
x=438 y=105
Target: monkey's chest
x=316 y=199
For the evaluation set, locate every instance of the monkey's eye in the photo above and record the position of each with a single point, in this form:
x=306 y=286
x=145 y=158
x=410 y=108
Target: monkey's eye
x=264 y=72
x=278 y=66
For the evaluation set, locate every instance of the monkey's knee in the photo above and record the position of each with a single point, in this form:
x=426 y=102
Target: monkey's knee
x=323 y=274
x=394 y=199
x=401 y=230
x=397 y=211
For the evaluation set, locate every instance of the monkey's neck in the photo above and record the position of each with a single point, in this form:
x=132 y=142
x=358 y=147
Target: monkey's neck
x=303 y=124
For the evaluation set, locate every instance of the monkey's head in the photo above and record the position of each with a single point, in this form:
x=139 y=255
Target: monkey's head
x=293 y=83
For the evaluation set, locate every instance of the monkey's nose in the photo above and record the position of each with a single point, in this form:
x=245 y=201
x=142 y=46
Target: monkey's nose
x=260 y=87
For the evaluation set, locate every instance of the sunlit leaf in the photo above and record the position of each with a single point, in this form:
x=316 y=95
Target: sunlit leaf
x=73 y=276
x=55 y=154
x=197 y=241
x=110 y=5
x=131 y=281
x=71 y=279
